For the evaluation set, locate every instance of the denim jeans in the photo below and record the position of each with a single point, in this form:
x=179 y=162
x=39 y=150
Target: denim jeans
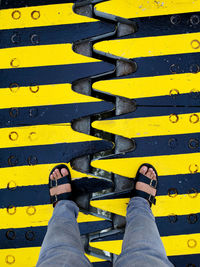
x=142 y=246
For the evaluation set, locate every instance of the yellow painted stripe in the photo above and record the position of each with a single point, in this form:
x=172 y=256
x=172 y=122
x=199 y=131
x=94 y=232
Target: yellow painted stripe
x=31 y=175
x=165 y=205
x=113 y=246
x=152 y=126
x=144 y=8
x=151 y=86
x=40 y=16
x=165 y=165
x=152 y=46
x=42 y=55
x=21 y=217
x=24 y=257
x=93 y=259
x=41 y=135
x=39 y=95
x=174 y=245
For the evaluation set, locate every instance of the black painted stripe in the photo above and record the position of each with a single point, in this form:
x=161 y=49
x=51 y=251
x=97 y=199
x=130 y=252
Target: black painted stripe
x=59 y=34
x=170 y=144
x=167 y=226
x=52 y=74
x=178 y=224
x=52 y=114
x=151 y=111
x=182 y=184
x=166 y=25
x=33 y=236
x=185 y=260
x=44 y=154
x=187 y=100
x=165 y=65
x=39 y=194
x=4 y=4
x=102 y=264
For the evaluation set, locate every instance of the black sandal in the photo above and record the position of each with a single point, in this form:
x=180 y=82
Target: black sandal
x=144 y=179
x=64 y=180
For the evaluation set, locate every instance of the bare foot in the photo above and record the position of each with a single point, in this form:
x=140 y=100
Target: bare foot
x=60 y=189
x=150 y=173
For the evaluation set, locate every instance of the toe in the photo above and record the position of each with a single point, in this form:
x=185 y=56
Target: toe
x=149 y=173
x=54 y=175
x=64 y=171
x=153 y=175
x=58 y=174
x=143 y=170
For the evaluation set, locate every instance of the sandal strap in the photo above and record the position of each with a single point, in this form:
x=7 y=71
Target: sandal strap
x=142 y=178
x=64 y=180
x=150 y=198
x=64 y=196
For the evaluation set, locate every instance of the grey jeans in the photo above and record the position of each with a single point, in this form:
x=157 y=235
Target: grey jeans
x=141 y=247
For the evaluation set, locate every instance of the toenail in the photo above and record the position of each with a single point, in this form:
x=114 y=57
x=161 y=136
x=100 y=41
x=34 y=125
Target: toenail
x=144 y=168
x=64 y=171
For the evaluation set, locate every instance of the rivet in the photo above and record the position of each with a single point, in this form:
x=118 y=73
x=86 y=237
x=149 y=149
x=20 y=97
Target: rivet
x=193 y=143
x=12 y=185
x=194 y=19
x=173 y=92
x=195 y=93
x=195 y=44
x=191 y=243
x=13 y=136
x=15 y=38
x=14 y=87
x=14 y=63
x=16 y=14
x=32 y=136
x=30 y=235
x=193 y=168
x=34 y=88
x=175 y=19
x=12 y=160
x=35 y=39
x=31 y=210
x=11 y=235
x=172 y=218
x=172 y=192
x=35 y=14
x=33 y=112
x=174 y=68
x=194 y=118
x=172 y=143
x=194 y=68
x=192 y=193
x=11 y=210
x=14 y=112
x=192 y=218
x=10 y=259
x=32 y=160
x=173 y=118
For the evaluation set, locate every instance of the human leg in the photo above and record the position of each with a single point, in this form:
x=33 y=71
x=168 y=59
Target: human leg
x=62 y=243
x=142 y=245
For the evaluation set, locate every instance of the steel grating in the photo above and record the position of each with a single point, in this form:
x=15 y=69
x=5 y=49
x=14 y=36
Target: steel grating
x=101 y=87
